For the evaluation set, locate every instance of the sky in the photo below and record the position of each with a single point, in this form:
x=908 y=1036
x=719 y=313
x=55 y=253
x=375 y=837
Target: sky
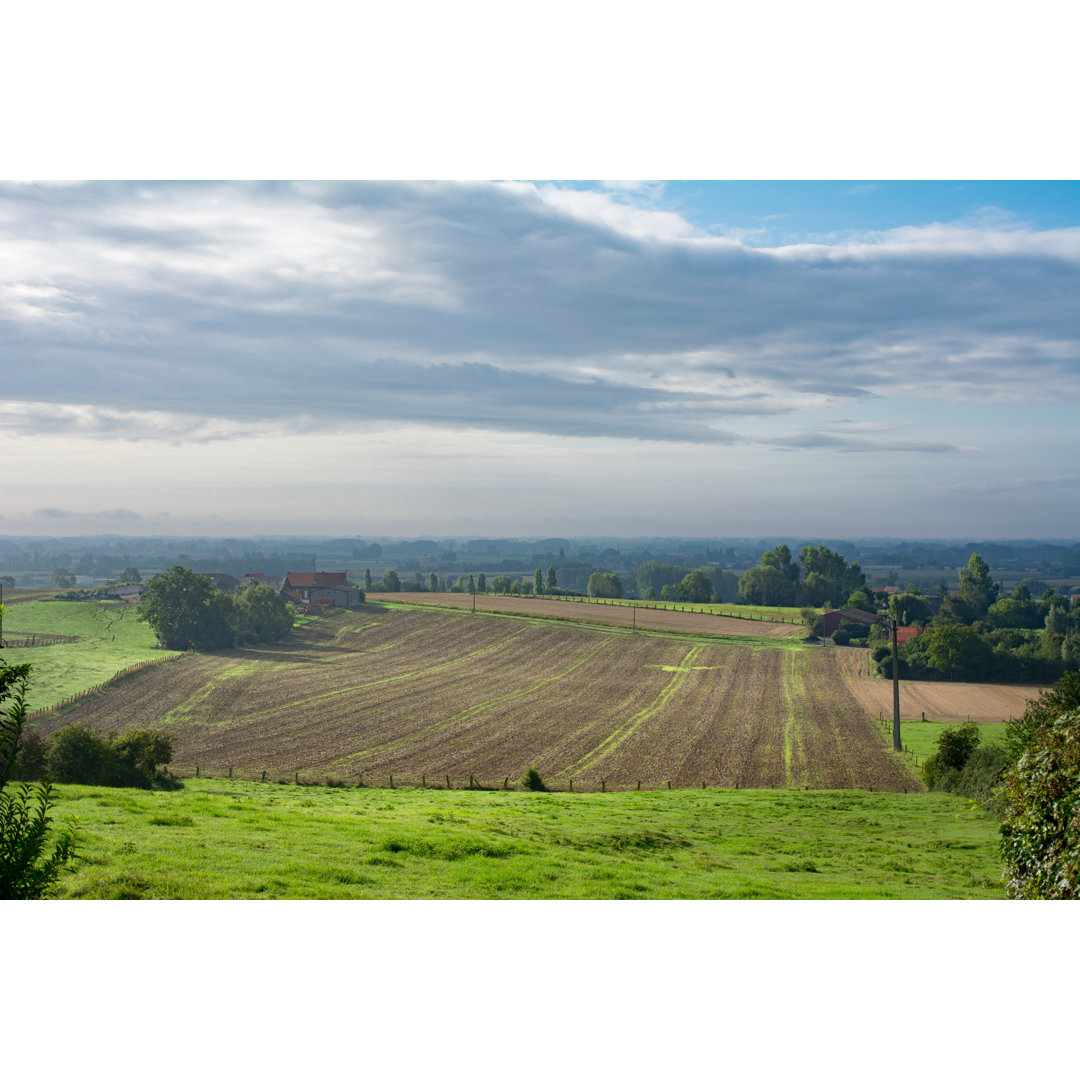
x=540 y=357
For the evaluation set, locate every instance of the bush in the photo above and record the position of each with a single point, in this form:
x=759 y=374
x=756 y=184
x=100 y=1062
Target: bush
x=78 y=755
x=941 y=771
x=27 y=870
x=1041 y=832
x=532 y=780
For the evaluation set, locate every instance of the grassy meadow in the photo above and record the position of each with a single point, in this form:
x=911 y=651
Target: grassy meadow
x=225 y=839
x=110 y=638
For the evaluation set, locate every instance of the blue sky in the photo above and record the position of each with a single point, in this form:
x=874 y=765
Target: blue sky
x=736 y=358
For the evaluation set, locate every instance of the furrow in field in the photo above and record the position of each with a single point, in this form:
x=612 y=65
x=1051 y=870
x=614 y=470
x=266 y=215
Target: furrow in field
x=431 y=730
x=617 y=737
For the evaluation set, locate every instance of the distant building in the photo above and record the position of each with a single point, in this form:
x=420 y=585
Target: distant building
x=831 y=620
x=320 y=588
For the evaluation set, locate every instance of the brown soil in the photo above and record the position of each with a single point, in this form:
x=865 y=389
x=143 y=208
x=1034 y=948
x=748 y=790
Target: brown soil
x=425 y=693
x=951 y=702
x=687 y=622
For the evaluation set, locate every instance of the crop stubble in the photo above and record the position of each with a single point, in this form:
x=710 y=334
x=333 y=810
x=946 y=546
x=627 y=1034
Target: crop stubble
x=425 y=693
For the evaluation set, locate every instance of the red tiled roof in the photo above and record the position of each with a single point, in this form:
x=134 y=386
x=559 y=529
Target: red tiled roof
x=310 y=579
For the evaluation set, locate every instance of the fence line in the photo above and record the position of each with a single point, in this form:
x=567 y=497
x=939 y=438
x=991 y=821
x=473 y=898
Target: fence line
x=74 y=699
x=468 y=782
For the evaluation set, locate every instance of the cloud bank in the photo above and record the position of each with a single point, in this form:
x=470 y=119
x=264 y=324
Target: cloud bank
x=208 y=311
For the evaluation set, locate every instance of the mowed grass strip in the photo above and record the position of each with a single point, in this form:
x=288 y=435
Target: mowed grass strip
x=110 y=639
x=220 y=839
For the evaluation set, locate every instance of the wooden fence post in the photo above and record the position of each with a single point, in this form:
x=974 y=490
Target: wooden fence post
x=196 y=770
x=603 y=785
x=448 y=782
x=391 y=779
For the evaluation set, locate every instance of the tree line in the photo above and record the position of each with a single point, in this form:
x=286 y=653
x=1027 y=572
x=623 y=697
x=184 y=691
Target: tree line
x=978 y=635
x=185 y=611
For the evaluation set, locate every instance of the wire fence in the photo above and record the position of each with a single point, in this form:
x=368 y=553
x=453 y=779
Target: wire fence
x=90 y=691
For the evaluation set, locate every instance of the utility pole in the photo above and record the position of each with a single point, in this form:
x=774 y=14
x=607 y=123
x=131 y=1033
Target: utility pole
x=896 y=744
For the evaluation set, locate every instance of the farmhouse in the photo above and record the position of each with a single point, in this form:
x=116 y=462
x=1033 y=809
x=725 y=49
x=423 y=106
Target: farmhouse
x=323 y=588
x=831 y=620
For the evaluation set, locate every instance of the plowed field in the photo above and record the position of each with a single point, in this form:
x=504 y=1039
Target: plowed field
x=622 y=614
x=949 y=702
x=425 y=693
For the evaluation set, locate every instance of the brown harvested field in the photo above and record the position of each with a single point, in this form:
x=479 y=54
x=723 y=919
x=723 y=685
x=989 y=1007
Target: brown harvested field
x=685 y=622
x=424 y=693
x=948 y=702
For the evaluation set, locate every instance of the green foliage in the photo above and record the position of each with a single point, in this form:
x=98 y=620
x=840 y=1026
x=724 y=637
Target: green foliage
x=391 y=582
x=766 y=586
x=532 y=780
x=813 y=620
x=501 y=583
x=131 y=575
x=28 y=870
x=481 y=582
x=977 y=589
x=552 y=582
x=177 y=606
x=538 y=581
x=367 y=580
x=62 y=578
x=78 y=755
x=186 y=612
x=697 y=588
x=605 y=585
x=862 y=599
x=827 y=577
x=955 y=747
x=1040 y=836
x=1062 y=697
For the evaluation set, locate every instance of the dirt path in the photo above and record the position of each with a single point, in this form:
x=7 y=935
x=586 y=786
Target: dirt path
x=950 y=702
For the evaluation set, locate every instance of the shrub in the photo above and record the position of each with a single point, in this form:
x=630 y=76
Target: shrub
x=27 y=870
x=78 y=755
x=532 y=780
x=941 y=771
x=1041 y=832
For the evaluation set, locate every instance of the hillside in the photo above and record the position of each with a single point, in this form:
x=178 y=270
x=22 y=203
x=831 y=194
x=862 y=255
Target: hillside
x=426 y=695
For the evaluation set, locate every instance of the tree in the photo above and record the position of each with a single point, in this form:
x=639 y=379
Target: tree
x=605 y=585
x=862 y=599
x=1040 y=836
x=957 y=651
x=910 y=608
x=697 y=588
x=538 y=581
x=976 y=588
x=501 y=583
x=472 y=584
x=181 y=609
x=265 y=615
x=481 y=582
x=552 y=582
x=433 y=582
x=766 y=585
x=7 y=581
x=131 y=575
x=62 y=578
x=827 y=577
x=779 y=558
x=390 y=581
x=367 y=580
x=28 y=869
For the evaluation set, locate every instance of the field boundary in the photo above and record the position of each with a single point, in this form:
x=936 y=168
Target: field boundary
x=101 y=687
x=698 y=636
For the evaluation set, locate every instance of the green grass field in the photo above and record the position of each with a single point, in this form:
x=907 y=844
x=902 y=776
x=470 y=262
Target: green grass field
x=234 y=839
x=921 y=737
x=110 y=639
